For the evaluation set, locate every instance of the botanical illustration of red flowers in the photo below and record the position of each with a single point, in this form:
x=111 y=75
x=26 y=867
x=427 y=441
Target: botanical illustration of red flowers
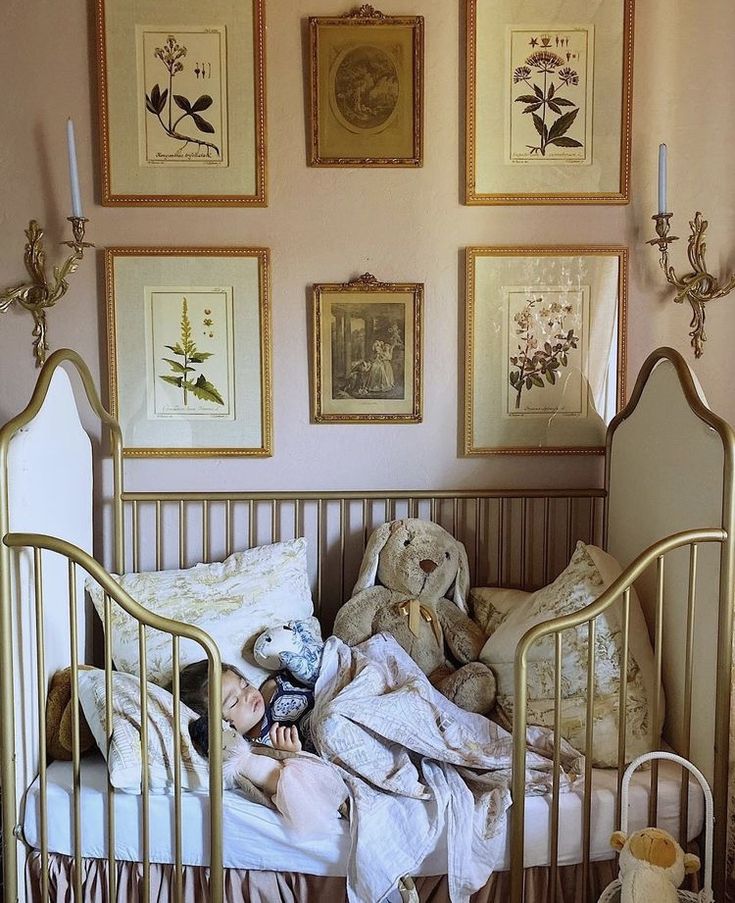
x=160 y=103
x=543 y=345
x=185 y=371
x=550 y=78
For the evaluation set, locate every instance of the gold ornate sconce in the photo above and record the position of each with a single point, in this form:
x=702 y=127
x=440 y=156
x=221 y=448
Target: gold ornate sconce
x=41 y=293
x=697 y=287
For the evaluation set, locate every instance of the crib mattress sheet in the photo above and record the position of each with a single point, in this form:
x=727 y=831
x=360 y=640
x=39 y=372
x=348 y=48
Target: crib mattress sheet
x=257 y=838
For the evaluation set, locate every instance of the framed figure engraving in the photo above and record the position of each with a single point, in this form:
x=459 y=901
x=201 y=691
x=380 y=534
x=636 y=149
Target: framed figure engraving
x=549 y=96
x=367 y=352
x=366 y=80
x=544 y=348
x=182 y=103
x=189 y=349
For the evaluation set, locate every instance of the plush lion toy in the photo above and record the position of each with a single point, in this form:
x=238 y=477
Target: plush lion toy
x=418 y=562
x=652 y=866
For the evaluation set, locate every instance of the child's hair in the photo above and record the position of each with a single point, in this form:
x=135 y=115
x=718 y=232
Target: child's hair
x=194 y=684
x=199 y=733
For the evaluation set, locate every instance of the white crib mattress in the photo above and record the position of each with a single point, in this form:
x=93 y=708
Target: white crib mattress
x=256 y=837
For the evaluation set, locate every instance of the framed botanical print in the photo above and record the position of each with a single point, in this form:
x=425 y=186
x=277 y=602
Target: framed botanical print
x=366 y=75
x=548 y=98
x=182 y=102
x=544 y=348
x=189 y=350
x=367 y=352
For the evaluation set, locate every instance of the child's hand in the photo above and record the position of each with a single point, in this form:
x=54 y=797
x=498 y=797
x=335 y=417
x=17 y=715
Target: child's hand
x=285 y=737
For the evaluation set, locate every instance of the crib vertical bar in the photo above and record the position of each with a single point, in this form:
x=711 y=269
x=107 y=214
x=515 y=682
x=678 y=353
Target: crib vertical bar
x=342 y=516
x=182 y=535
x=159 y=537
x=432 y=508
x=623 y=704
x=455 y=517
x=136 y=562
x=228 y=528
x=687 y=715
x=476 y=568
x=588 y=746
x=111 y=845
x=657 y=701
x=592 y=536
x=274 y=520
x=205 y=530
x=570 y=535
x=251 y=523
x=365 y=531
x=41 y=680
x=176 y=690
x=296 y=517
x=545 y=551
x=557 y=768
x=319 y=529
x=412 y=512
x=75 y=744
x=391 y=509
x=501 y=543
x=524 y=527
x=144 y=778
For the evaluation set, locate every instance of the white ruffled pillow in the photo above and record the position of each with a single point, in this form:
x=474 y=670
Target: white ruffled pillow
x=586 y=577
x=124 y=756
x=234 y=601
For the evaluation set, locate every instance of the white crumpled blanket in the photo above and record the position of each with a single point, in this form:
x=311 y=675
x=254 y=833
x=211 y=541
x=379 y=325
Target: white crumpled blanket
x=414 y=762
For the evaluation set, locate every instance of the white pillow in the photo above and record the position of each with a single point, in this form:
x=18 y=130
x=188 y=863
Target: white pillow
x=588 y=574
x=124 y=756
x=491 y=605
x=234 y=601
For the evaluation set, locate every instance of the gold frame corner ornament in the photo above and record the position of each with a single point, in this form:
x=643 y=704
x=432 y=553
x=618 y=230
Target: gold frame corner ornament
x=367 y=283
x=470 y=449
x=265 y=449
x=366 y=16
x=473 y=197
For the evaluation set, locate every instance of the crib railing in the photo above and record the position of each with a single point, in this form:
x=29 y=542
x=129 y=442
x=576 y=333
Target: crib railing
x=514 y=538
x=113 y=593
x=619 y=590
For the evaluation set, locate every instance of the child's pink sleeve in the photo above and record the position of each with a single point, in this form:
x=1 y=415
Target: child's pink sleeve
x=309 y=793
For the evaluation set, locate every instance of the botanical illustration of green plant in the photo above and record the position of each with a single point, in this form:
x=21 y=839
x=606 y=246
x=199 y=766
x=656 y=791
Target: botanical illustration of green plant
x=545 y=100
x=157 y=101
x=184 y=379
x=543 y=346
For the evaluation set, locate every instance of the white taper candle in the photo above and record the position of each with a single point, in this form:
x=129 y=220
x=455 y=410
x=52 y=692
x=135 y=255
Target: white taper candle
x=662 y=160
x=76 y=196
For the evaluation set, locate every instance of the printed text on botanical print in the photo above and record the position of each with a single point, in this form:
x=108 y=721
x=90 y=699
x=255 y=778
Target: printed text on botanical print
x=189 y=353
x=182 y=102
x=550 y=76
x=545 y=360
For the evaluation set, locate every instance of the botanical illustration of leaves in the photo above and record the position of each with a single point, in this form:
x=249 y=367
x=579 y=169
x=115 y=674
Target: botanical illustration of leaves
x=564 y=141
x=532 y=107
x=537 y=381
x=205 y=391
x=563 y=102
x=202 y=124
x=177 y=349
x=176 y=366
x=551 y=91
x=182 y=102
x=527 y=98
x=539 y=123
x=539 y=93
x=554 y=107
x=562 y=124
x=551 y=377
x=149 y=105
x=174 y=380
x=200 y=356
x=202 y=103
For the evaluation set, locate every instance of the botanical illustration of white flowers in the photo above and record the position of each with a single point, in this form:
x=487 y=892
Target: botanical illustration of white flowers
x=549 y=91
x=545 y=334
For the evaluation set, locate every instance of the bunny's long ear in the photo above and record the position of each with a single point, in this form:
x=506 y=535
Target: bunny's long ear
x=462 y=581
x=369 y=567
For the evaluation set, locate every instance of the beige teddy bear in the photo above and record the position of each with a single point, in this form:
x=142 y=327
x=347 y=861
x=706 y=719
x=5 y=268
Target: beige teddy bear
x=417 y=562
x=652 y=866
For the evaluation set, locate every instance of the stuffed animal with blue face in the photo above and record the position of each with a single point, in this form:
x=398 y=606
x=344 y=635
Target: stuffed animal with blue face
x=295 y=647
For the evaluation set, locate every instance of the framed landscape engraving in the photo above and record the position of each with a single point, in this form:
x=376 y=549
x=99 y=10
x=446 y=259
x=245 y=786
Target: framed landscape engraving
x=182 y=103
x=544 y=348
x=548 y=102
x=366 y=79
x=367 y=352
x=189 y=350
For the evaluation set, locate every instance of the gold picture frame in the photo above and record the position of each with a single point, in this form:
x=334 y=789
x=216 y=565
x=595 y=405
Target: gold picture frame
x=548 y=103
x=352 y=122
x=545 y=348
x=182 y=103
x=366 y=354
x=189 y=350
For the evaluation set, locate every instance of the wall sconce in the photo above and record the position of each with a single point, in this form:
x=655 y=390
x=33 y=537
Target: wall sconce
x=40 y=293
x=699 y=286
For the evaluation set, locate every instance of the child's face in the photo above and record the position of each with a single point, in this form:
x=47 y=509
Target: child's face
x=242 y=705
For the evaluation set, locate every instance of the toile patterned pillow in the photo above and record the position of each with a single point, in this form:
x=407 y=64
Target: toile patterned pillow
x=233 y=601
x=587 y=575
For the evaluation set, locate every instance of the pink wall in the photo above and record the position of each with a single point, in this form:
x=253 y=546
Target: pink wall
x=328 y=225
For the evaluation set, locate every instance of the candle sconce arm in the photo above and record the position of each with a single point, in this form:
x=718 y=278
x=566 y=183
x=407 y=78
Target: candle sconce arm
x=41 y=292
x=697 y=287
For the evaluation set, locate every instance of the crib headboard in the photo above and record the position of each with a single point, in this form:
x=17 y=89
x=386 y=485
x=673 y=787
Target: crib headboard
x=670 y=468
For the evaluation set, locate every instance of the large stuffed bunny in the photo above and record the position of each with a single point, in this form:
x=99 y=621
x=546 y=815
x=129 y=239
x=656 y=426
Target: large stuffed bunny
x=418 y=562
